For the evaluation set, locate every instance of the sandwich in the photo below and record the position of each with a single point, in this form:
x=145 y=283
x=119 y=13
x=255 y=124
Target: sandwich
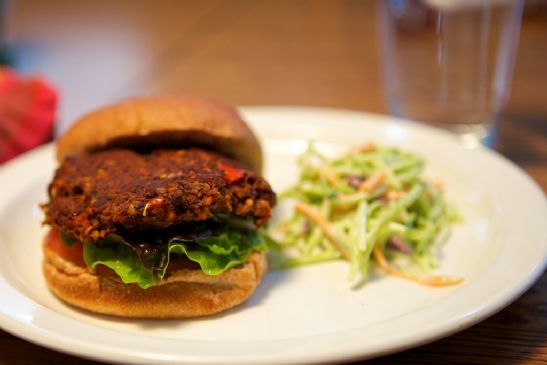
x=155 y=210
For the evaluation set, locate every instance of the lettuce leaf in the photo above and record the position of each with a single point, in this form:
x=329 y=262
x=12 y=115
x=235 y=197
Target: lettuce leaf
x=123 y=260
x=214 y=254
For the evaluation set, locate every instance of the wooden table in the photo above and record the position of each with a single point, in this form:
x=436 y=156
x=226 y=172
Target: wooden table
x=272 y=52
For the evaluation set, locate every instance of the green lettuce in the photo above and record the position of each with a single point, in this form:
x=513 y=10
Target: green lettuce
x=215 y=254
x=123 y=260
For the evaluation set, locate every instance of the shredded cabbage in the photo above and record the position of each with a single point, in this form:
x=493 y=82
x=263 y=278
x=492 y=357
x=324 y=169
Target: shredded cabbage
x=373 y=196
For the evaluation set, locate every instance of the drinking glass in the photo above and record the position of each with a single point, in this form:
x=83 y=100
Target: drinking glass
x=449 y=63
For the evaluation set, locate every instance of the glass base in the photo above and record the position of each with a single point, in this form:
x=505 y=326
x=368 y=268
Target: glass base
x=475 y=136
x=472 y=135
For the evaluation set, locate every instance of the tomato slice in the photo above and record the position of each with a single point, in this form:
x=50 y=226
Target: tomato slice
x=74 y=254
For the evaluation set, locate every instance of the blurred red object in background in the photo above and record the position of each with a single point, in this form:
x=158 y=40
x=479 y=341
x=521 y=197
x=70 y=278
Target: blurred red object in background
x=27 y=112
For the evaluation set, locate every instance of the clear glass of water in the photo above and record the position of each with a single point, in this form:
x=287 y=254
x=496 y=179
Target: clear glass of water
x=449 y=63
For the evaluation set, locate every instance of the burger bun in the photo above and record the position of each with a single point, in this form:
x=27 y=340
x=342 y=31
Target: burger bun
x=183 y=293
x=164 y=121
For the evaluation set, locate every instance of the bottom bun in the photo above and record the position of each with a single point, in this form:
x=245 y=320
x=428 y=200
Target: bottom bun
x=184 y=293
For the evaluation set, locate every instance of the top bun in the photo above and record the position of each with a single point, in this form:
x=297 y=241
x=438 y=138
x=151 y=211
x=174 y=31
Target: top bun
x=167 y=121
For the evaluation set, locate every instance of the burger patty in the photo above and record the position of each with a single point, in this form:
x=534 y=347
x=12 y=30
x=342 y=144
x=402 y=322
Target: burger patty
x=112 y=191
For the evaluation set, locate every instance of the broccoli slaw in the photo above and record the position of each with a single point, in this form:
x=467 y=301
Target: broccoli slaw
x=371 y=207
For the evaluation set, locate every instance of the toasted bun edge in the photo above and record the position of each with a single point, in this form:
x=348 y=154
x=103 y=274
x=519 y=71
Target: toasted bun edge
x=185 y=293
x=172 y=121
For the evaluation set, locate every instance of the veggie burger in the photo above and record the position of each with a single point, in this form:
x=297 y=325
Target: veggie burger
x=154 y=210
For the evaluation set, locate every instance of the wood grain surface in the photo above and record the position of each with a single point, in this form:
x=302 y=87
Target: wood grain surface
x=284 y=52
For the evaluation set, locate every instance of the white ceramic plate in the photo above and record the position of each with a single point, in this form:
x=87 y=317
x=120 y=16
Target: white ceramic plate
x=307 y=315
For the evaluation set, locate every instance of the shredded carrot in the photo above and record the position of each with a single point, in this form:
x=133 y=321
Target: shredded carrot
x=372 y=182
x=394 y=194
x=428 y=280
x=343 y=209
x=325 y=227
x=368 y=147
x=331 y=176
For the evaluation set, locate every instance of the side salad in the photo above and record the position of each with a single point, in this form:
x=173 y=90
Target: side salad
x=371 y=207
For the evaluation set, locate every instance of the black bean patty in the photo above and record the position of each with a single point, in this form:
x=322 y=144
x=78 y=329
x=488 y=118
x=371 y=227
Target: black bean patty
x=94 y=195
